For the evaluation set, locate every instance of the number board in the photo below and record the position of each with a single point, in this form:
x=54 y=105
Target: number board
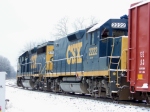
x=118 y=25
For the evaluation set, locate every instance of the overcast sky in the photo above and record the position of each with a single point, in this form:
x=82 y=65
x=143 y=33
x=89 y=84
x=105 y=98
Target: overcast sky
x=22 y=21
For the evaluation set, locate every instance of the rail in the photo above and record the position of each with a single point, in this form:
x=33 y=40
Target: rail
x=31 y=70
x=60 y=60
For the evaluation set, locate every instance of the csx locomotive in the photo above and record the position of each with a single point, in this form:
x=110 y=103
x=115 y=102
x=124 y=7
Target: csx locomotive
x=94 y=60
x=90 y=61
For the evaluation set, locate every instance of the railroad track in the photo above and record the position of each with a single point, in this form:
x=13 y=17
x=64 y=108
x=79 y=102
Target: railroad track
x=11 y=85
x=72 y=96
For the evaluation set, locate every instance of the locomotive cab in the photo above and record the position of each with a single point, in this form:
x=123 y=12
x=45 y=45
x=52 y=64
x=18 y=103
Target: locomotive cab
x=45 y=56
x=22 y=66
x=107 y=54
x=106 y=40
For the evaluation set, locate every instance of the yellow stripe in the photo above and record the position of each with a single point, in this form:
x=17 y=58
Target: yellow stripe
x=19 y=76
x=96 y=73
x=89 y=73
x=28 y=75
x=124 y=52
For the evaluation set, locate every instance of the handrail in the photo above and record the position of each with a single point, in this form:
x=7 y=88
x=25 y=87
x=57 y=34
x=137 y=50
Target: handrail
x=45 y=65
x=111 y=55
x=61 y=60
x=67 y=58
x=118 y=65
x=43 y=69
x=32 y=63
x=29 y=63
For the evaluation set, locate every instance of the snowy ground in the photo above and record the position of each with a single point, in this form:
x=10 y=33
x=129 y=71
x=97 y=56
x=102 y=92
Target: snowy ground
x=33 y=101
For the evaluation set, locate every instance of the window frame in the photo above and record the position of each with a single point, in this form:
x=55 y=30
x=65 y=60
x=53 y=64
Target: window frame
x=92 y=38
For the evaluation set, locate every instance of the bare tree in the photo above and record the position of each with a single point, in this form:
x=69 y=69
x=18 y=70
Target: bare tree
x=12 y=73
x=5 y=66
x=93 y=20
x=61 y=28
x=79 y=24
x=31 y=45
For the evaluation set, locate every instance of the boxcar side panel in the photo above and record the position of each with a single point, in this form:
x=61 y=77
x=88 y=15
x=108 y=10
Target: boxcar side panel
x=139 y=42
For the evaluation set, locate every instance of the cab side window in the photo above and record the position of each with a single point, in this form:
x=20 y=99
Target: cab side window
x=92 y=38
x=105 y=33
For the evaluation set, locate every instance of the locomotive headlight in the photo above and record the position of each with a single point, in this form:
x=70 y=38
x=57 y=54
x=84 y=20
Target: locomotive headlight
x=114 y=73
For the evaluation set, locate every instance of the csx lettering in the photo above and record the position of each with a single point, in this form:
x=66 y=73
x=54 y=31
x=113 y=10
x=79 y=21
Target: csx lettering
x=33 y=59
x=74 y=49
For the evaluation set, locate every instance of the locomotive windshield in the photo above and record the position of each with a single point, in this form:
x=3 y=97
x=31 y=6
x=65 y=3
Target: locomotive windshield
x=117 y=33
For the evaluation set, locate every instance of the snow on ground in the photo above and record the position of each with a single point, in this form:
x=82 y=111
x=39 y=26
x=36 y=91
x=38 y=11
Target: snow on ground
x=11 y=82
x=33 y=101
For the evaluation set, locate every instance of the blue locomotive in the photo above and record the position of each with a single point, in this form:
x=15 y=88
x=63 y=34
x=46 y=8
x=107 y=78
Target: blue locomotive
x=90 y=61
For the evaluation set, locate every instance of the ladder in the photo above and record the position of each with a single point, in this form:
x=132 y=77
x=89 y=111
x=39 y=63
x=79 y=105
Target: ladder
x=116 y=63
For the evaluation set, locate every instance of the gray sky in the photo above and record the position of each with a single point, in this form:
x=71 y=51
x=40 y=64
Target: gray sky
x=22 y=21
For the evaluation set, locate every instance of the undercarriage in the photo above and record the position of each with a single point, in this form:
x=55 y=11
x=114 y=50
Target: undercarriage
x=94 y=86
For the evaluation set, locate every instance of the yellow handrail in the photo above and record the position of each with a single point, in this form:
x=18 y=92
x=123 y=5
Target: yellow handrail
x=111 y=57
x=118 y=65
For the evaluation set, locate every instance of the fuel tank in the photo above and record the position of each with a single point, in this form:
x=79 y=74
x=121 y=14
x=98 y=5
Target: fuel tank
x=27 y=83
x=74 y=87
